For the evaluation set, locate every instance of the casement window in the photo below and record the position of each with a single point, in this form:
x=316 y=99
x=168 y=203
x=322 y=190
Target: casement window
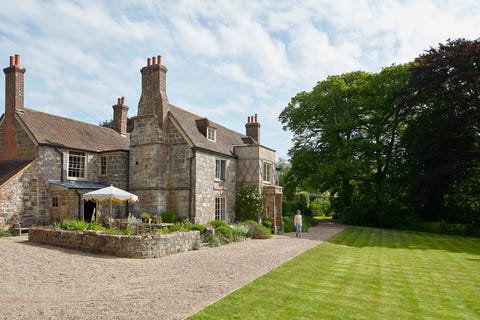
x=54 y=202
x=103 y=166
x=211 y=134
x=267 y=172
x=76 y=165
x=220 y=169
x=220 y=208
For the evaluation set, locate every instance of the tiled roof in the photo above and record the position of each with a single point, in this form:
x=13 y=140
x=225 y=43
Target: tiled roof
x=9 y=168
x=57 y=131
x=225 y=138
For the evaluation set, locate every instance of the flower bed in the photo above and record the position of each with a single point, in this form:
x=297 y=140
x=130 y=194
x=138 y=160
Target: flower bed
x=153 y=246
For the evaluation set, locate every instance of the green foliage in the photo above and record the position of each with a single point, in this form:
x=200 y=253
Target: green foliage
x=145 y=216
x=267 y=223
x=225 y=233
x=249 y=203
x=127 y=231
x=303 y=200
x=288 y=225
x=257 y=231
x=217 y=223
x=170 y=216
x=199 y=227
x=240 y=232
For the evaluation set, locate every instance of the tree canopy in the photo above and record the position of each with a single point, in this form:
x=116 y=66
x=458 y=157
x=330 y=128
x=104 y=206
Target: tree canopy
x=393 y=144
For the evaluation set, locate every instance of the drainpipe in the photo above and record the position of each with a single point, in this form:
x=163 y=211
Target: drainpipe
x=61 y=163
x=190 y=193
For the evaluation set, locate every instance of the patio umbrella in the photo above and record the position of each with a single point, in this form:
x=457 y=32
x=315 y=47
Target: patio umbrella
x=110 y=194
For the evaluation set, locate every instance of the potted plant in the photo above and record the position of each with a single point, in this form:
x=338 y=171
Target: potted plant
x=145 y=216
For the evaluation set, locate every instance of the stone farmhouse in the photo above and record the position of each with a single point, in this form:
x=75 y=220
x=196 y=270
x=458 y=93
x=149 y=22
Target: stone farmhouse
x=172 y=159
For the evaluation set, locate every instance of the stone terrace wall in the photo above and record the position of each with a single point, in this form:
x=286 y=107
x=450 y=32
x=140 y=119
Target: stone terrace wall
x=118 y=245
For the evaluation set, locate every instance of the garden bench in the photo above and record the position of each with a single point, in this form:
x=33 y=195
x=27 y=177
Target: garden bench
x=23 y=225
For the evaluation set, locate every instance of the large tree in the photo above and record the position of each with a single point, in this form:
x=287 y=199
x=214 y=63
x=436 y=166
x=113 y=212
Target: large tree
x=442 y=140
x=345 y=138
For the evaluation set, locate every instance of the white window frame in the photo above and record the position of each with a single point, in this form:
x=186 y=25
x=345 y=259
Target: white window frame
x=220 y=169
x=220 y=208
x=103 y=166
x=211 y=134
x=267 y=172
x=80 y=168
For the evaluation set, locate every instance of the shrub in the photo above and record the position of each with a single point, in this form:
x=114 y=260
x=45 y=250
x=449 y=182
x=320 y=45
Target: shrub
x=73 y=225
x=240 y=232
x=267 y=224
x=144 y=216
x=199 y=227
x=288 y=225
x=170 y=217
x=249 y=203
x=217 y=223
x=224 y=233
x=258 y=231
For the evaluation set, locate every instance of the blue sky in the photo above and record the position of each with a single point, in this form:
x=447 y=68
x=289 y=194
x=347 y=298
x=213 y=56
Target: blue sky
x=226 y=60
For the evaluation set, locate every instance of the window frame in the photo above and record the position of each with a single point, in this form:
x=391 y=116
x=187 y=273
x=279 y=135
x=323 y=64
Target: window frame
x=211 y=134
x=267 y=172
x=220 y=169
x=54 y=202
x=82 y=165
x=103 y=166
x=221 y=208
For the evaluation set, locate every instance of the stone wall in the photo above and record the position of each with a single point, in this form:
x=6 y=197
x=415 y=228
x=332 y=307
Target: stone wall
x=19 y=197
x=207 y=188
x=118 y=245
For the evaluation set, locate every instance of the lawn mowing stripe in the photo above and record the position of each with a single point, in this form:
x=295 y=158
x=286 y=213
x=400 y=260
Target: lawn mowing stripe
x=366 y=273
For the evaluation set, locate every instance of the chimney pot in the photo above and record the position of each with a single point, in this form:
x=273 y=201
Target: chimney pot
x=148 y=62
x=154 y=60
x=12 y=60
x=256 y=118
x=17 y=60
x=118 y=101
x=122 y=101
x=159 y=59
x=248 y=119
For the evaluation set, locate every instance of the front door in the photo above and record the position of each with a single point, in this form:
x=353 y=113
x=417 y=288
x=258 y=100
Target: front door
x=89 y=210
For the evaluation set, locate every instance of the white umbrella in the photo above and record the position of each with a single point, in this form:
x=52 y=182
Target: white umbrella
x=110 y=194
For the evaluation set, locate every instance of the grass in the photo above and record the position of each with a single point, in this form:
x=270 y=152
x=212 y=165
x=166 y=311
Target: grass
x=366 y=273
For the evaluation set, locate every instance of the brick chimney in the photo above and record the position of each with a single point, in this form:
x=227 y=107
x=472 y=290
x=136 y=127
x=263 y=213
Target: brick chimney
x=14 y=92
x=154 y=101
x=253 y=128
x=120 y=111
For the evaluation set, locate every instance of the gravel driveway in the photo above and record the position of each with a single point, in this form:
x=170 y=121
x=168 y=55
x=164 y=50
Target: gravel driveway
x=44 y=282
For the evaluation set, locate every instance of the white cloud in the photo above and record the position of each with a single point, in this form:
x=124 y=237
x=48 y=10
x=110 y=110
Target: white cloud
x=226 y=59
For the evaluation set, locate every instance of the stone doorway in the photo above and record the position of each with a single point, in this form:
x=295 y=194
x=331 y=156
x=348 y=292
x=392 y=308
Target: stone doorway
x=89 y=210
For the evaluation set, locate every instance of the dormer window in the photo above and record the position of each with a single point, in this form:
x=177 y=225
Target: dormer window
x=211 y=134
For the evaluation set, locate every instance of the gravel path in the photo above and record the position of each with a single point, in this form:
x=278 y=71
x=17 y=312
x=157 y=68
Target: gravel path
x=43 y=282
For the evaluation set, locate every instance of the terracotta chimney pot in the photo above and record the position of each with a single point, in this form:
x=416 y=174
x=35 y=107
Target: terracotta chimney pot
x=154 y=60
x=12 y=60
x=159 y=59
x=148 y=62
x=17 y=60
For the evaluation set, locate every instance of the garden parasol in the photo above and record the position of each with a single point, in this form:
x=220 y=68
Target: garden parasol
x=110 y=194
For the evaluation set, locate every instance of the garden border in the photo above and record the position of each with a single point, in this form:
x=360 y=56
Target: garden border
x=153 y=246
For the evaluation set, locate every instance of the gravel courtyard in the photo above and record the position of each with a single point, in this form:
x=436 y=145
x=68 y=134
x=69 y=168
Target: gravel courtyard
x=44 y=282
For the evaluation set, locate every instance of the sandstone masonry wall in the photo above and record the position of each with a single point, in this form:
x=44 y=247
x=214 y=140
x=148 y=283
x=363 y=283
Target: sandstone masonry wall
x=118 y=245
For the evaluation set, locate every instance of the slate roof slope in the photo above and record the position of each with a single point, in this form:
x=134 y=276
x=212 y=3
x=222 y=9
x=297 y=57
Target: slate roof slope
x=225 y=138
x=58 y=131
x=9 y=168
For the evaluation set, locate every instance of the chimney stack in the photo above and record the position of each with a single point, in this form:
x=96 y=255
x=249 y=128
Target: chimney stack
x=153 y=100
x=120 y=112
x=14 y=102
x=253 y=128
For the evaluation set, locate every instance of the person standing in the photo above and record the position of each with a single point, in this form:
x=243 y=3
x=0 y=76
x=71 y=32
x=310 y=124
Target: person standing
x=298 y=224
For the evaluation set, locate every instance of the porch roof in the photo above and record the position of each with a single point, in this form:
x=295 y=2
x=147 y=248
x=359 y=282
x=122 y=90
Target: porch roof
x=78 y=185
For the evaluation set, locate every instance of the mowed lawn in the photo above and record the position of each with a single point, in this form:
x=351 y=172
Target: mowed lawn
x=366 y=273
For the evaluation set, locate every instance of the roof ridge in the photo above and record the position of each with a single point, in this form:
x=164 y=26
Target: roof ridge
x=201 y=117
